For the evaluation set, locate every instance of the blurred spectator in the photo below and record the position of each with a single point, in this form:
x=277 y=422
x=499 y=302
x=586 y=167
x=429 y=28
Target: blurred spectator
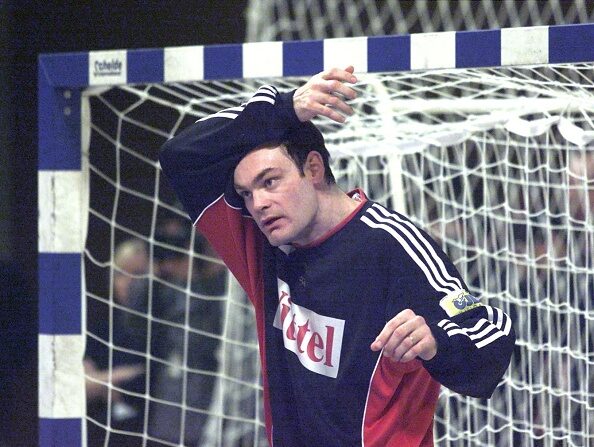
x=187 y=308
x=132 y=262
x=581 y=185
x=127 y=332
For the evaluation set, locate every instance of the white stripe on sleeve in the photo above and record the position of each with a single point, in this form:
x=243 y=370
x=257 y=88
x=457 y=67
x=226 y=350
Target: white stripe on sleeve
x=485 y=330
x=429 y=254
x=423 y=266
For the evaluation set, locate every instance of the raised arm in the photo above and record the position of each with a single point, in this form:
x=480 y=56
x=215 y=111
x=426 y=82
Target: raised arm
x=199 y=161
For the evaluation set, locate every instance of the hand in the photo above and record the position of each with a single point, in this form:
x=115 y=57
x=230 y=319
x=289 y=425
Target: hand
x=405 y=337
x=96 y=379
x=324 y=94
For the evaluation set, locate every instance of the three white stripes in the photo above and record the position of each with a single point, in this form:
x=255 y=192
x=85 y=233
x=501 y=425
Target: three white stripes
x=411 y=238
x=485 y=330
x=266 y=93
x=425 y=256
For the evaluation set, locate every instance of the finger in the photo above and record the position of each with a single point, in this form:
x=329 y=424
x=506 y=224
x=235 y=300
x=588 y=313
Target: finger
x=415 y=326
x=402 y=340
x=344 y=108
x=339 y=74
x=390 y=327
x=310 y=103
x=337 y=87
x=94 y=389
x=350 y=69
x=122 y=374
x=332 y=114
x=409 y=347
x=426 y=349
x=409 y=355
x=337 y=103
x=418 y=343
x=321 y=108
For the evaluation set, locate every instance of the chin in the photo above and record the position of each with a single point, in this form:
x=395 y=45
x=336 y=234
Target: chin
x=277 y=240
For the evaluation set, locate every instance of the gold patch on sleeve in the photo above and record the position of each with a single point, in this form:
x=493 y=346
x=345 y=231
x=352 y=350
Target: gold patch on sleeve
x=458 y=302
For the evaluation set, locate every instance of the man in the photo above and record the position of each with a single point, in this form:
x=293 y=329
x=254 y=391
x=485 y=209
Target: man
x=359 y=313
x=178 y=383
x=127 y=333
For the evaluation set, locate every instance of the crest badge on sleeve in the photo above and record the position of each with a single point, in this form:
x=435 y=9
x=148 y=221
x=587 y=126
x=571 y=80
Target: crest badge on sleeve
x=459 y=302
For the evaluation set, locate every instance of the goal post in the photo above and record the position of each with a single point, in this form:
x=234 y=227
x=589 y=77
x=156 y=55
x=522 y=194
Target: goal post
x=426 y=159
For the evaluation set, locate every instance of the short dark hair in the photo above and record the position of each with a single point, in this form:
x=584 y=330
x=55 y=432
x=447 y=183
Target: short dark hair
x=303 y=139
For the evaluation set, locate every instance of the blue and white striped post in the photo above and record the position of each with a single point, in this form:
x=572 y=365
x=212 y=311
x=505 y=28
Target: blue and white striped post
x=63 y=187
x=61 y=239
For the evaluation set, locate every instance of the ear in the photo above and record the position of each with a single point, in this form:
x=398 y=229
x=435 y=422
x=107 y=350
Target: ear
x=314 y=167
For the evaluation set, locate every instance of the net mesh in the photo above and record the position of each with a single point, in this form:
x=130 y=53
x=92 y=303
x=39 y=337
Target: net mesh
x=158 y=299
x=270 y=20
x=497 y=165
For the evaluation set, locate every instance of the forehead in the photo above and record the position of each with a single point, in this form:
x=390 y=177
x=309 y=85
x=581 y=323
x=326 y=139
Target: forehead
x=259 y=160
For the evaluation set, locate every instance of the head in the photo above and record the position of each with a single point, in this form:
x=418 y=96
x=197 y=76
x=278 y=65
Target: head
x=300 y=142
x=131 y=258
x=281 y=183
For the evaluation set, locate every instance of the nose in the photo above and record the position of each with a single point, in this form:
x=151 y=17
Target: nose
x=260 y=200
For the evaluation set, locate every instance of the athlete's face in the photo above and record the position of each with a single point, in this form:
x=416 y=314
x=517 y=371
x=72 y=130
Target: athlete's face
x=281 y=199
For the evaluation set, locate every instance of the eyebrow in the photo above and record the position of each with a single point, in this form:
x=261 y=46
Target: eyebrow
x=256 y=179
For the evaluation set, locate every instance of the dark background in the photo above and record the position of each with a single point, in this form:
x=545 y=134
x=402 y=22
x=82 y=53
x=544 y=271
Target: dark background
x=28 y=28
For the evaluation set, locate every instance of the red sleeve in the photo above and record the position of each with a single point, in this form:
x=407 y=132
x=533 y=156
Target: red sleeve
x=238 y=242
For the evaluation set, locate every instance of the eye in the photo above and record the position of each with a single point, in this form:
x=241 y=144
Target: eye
x=270 y=182
x=244 y=194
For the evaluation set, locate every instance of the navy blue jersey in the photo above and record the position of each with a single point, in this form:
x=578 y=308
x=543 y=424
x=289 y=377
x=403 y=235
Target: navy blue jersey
x=319 y=307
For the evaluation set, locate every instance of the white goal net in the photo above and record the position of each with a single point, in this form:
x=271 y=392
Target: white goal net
x=497 y=164
x=319 y=19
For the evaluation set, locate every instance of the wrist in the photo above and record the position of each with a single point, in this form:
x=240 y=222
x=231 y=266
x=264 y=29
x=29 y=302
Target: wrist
x=287 y=108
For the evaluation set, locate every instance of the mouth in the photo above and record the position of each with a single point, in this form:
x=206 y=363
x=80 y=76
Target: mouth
x=269 y=222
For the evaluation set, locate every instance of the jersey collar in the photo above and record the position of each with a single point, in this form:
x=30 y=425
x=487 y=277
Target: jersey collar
x=355 y=194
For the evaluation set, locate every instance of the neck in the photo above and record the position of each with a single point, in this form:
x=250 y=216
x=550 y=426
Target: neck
x=334 y=206
x=337 y=204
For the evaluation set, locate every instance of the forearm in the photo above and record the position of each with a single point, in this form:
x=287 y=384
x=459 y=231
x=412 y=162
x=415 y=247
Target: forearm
x=473 y=351
x=199 y=161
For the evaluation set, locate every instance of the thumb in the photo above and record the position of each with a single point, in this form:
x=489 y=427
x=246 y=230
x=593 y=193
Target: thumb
x=379 y=342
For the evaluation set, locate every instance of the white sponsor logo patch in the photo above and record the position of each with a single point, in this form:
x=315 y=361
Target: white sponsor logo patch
x=107 y=67
x=314 y=338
